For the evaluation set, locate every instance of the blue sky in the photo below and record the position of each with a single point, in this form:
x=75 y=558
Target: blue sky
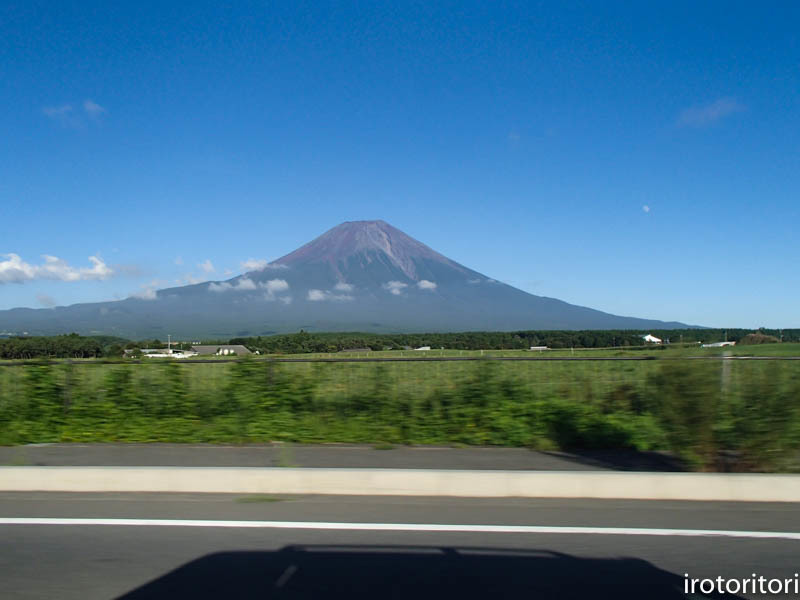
x=635 y=158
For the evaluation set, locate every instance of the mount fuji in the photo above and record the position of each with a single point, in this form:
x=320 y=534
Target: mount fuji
x=359 y=276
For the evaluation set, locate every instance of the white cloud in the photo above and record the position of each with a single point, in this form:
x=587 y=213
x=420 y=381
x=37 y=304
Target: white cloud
x=327 y=295
x=245 y=284
x=286 y=299
x=275 y=286
x=254 y=264
x=344 y=287
x=148 y=294
x=45 y=300
x=57 y=112
x=259 y=264
x=424 y=284
x=67 y=116
x=206 y=266
x=149 y=290
x=16 y=270
x=191 y=279
x=93 y=109
x=178 y=260
x=227 y=272
x=700 y=116
x=63 y=115
x=473 y=281
x=646 y=208
x=395 y=287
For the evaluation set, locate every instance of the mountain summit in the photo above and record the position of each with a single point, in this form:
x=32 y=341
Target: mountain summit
x=358 y=276
x=356 y=244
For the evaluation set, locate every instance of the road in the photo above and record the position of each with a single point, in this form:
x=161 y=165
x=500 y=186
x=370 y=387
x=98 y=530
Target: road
x=329 y=456
x=306 y=547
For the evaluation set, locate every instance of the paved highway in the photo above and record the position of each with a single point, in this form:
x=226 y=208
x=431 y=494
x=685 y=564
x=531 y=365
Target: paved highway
x=159 y=546
x=329 y=456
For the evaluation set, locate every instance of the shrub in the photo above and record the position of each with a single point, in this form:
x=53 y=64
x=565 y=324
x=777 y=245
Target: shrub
x=757 y=338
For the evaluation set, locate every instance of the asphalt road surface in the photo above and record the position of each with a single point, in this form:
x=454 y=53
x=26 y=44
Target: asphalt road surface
x=161 y=546
x=329 y=456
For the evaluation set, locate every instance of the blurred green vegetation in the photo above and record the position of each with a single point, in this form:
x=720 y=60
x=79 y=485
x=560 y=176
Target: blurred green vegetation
x=716 y=415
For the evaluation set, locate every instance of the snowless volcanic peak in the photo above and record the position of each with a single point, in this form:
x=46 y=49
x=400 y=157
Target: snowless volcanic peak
x=359 y=276
x=365 y=238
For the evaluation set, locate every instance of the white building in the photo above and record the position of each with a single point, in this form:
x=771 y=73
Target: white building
x=719 y=344
x=221 y=350
x=651 y=339
x=162 y=353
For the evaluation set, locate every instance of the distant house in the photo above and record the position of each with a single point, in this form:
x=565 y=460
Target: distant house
x=161 y=353
x=221 y=350
x=719 y=344
x=651 y=339
x=423 y=348
x=539 y=348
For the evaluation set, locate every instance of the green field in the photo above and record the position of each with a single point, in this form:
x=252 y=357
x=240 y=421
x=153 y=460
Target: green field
x=670 y=351
x=742 y=415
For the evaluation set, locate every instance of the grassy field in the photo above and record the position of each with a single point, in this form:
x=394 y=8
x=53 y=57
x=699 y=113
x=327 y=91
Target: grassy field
x=740 y=415
x=670 y=351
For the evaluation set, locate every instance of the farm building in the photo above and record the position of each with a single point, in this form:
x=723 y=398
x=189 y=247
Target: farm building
x=221 y=350
x=651 y=339
x=160 y=353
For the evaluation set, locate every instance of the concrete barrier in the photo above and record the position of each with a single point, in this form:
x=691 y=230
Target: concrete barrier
x=406 y=482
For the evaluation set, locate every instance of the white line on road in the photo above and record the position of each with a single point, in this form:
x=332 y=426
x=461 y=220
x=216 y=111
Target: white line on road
x=431 y=527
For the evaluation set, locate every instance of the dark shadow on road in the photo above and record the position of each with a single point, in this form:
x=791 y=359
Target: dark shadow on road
x=394 y=572
x=624 y=460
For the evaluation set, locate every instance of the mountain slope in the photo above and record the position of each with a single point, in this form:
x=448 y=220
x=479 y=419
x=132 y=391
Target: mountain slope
x=360 y=275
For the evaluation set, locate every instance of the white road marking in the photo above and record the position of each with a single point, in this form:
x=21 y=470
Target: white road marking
x=287 y=575
x=435 y=527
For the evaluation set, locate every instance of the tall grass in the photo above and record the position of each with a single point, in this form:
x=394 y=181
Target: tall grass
x=716 y=415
